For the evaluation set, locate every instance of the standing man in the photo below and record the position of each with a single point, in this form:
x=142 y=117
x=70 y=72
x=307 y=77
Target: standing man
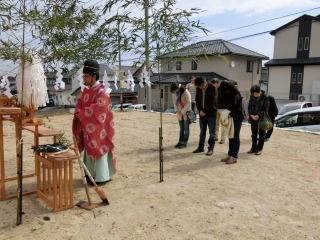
x=258 y=105
x=93 y=126
x=206 y=105
x=234 y=111
x=193 y=90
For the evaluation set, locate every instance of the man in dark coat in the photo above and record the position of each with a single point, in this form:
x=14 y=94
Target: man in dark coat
x=258 y=105
x=206 y=105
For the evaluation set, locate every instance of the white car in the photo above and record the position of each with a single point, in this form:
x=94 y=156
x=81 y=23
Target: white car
x=117 y=107
x=302 y=119
x=137 y=107
x=293 y=106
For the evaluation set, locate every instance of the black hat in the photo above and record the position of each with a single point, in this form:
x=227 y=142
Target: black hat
x=91 y=67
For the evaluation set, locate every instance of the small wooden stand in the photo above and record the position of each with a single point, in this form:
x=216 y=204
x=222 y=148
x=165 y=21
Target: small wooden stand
x=55 y=179
x=9 y=114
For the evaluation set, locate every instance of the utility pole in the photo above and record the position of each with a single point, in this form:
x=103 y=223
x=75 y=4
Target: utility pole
x=119 y=75
x=148 y=89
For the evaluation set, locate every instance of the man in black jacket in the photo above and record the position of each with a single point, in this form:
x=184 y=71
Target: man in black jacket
x=273 y=112
x=206 y=105
x=258 y=105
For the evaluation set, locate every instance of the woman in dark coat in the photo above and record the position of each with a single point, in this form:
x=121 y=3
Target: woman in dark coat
x=258 y=105
x=233 y=102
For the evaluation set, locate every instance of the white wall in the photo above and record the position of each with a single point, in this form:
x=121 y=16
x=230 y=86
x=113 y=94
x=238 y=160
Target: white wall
x=285 y=42
x=279 y=82
x=315 y=40
x=64 y=98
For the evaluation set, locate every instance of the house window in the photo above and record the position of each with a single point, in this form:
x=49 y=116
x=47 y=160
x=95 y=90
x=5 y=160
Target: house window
x=153 y=86
x=299 y=78
x=294 y=78
x=306 y=43
x=249 y=66
x=300 y=44
x=161 y=94
x=178 y=65
x=170 y=66
x=194 y=65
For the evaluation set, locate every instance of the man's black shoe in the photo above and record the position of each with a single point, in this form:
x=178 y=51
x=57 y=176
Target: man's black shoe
x=198 y=150
x=251 y=151
x=258 y=152
x=210 y=152
x=178 y=145
x=182 y=146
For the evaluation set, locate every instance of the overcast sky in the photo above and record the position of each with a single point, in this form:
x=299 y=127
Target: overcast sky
x=224 y=15
x=221 y=16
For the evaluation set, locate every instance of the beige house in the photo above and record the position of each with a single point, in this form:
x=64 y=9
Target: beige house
x=210 y=59
x=294 y=71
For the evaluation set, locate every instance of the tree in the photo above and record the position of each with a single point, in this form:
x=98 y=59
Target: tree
x=166 y=29
x=169 y=28
x=57 y=30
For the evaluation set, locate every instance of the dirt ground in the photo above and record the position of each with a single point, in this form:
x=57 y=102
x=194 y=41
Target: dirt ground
x=271 y=196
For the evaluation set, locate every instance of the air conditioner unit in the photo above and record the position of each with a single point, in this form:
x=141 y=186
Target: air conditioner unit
x=304 y=98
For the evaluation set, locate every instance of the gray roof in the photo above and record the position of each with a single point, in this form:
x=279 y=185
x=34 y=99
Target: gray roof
x=183 y=78
x=305 y=16
x=130 y=68
x=105 y=67
x=213 y=47
x=293 y=61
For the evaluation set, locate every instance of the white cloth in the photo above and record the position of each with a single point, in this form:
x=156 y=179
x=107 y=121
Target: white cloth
x=227 y=122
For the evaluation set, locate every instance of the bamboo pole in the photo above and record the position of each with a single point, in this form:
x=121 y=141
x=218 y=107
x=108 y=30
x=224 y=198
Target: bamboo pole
x=20 y=141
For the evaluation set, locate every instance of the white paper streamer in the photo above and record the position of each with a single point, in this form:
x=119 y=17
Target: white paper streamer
x=80 y=78
x=6 y=84
x=35 y=85
x=59 y=83
x=130 y=81
x=106 y=82
x=115 y=81
x=144 y=77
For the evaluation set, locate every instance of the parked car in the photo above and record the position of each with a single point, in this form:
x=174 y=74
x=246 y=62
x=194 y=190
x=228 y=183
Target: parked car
x=48 y=104
x=293 y=106
x=170 y=110
x=117 y=107
x=301 y=119
x=138 y=107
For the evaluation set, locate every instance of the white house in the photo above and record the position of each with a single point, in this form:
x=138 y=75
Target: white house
x=294 y=71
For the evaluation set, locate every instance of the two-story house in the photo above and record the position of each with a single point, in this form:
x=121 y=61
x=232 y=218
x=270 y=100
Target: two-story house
x=294 y=71
x=211 y=59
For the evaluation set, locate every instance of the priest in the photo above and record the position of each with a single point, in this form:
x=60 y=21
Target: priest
x=93 y=126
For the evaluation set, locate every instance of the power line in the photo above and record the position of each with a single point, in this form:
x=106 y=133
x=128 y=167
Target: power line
x=253 y=24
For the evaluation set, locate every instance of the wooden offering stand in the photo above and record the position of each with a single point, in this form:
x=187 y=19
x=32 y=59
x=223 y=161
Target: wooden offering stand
x=55 y=179
x=9 y=112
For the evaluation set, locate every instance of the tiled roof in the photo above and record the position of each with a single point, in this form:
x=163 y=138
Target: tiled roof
x=293 y=61
x=183 y=78
x=213 y=47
